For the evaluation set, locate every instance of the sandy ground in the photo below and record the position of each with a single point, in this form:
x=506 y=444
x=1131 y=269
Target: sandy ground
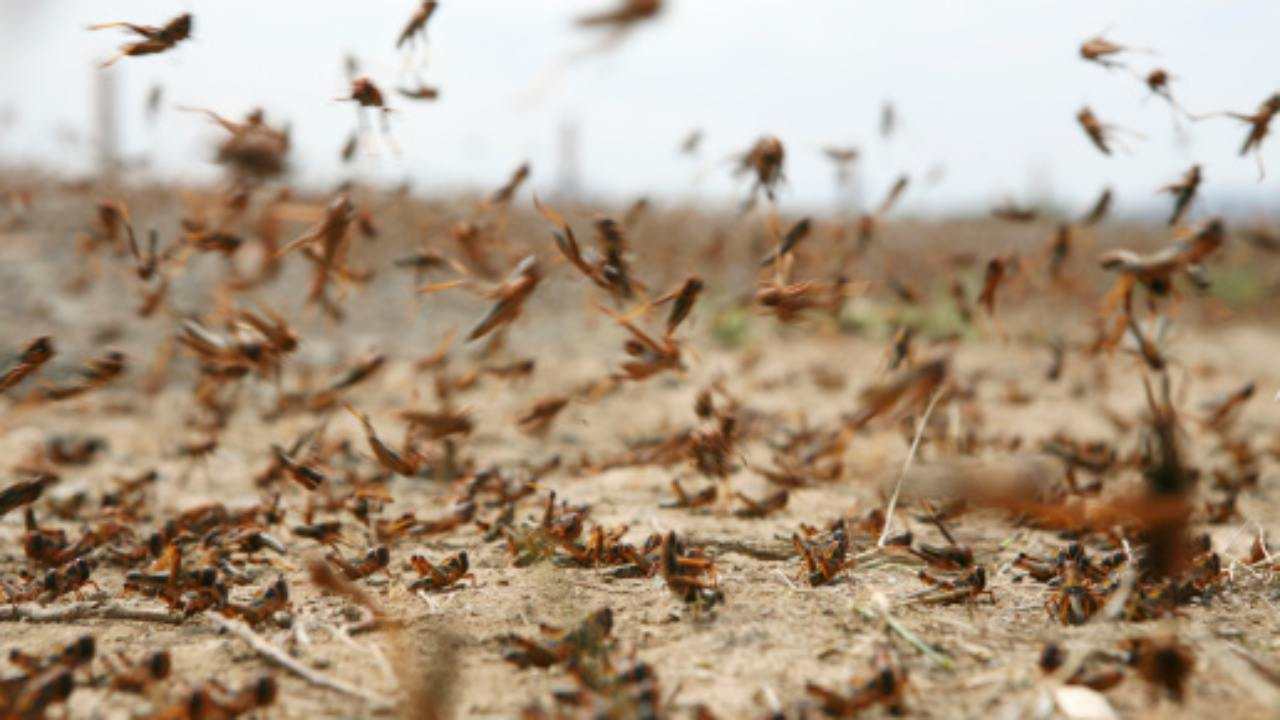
x=773 y=633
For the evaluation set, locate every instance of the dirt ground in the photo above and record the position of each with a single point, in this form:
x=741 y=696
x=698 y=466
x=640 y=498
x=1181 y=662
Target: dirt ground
x=773 y=633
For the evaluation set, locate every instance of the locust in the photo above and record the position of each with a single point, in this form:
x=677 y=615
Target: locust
x=948 y=591
x=794 y=236
x=154 y=39
x=990 y=282
x=1099 y=134
x=609 y=271
x=764 y=160
x=33 y=356
x=536 y=421
x=1014 y=213
x=416 y=27
x=274 y=598
x=1156 y=271
x=1184 y=192
x=886 y=686
x=376 y=559
x=253 y=147
x=703 y=498
x=1100 y=50
x=1259 y=123
x=868 y=223
x=908 y=387
x=1157 y=81
x=689 y=575
x=1099 y=210
x=421 y=92
x=449 y=573
x=510 y=296
x=683 y=299
x=763 y=507
x=406 y=464
x=691 y=142
x=304 y=475
x=824 y=561
x=504 y=194
x=626 y=14
x=138 y=677
x=96 y=373
x=649 y=355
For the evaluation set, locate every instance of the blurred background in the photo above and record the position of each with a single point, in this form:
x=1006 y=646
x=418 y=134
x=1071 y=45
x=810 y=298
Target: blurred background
x=984 y=96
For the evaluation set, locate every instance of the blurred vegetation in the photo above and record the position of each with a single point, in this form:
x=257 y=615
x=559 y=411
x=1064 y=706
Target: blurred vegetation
x=1239 y=286
x=731 y=327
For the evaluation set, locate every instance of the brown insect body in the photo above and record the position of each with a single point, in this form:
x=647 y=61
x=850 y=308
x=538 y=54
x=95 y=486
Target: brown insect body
x=155 y=39
x=417 y=23
x=33 y=356
x=626 y=14
x=1183 y=191
x=442 y=577
x=765 y=161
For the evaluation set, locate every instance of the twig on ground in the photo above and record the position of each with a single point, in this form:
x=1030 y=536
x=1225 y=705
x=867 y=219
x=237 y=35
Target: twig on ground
x=1260 y=666
x=752 y=551
x=279 y=657
x=86 y=611
x=934 y=656
x=906 y=465
x=786 y=579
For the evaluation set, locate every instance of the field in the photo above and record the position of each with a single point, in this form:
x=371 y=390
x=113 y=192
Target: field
x=761 y=401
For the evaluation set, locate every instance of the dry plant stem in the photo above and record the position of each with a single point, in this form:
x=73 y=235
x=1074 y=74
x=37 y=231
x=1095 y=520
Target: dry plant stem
x=1114 y=609
x=86 y=611
x=934 y=656
x=279 y=657
x=749 y=550
x=1268 y=673
x=906 y=465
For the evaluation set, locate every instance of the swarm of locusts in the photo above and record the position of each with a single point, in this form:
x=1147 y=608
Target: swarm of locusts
x=356 y=454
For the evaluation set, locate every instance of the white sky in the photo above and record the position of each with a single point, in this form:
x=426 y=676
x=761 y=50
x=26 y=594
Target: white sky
x=987 y=89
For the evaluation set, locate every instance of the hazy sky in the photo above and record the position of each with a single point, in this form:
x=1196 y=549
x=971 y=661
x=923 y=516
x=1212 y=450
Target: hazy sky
x=987 y=89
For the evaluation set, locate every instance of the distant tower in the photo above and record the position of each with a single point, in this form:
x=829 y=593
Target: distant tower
x=846 y=161
x=1040 y=190
x=568 y=170
x=848 y=196
x=107 y=121
x=849 y=189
